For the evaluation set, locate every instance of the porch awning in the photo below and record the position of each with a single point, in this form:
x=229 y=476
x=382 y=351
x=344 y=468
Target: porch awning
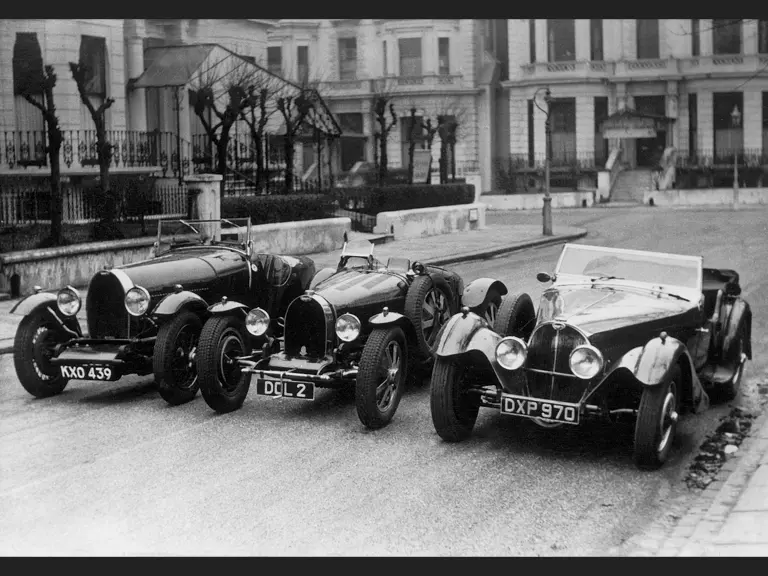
x=630 y=123
x=171 y=66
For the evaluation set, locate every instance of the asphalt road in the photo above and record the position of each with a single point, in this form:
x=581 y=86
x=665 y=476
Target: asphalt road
x=110 y=469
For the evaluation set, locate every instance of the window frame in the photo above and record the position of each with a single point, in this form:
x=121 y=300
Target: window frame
x=347 y=73
x=444 y=70
x=420 y=40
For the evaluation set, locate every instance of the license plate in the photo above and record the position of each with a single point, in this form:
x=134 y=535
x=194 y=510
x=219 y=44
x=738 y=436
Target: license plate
x=285 y=389
x=89 y=372
x=549 y=410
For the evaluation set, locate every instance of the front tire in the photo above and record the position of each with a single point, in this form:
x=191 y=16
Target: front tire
x=657 y=422
x=174 y=358
x=222 y=383
x=33 y=344
x=381 y=377
x=454 y=412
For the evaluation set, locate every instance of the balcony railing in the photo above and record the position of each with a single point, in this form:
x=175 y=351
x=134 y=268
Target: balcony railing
x=576 y=69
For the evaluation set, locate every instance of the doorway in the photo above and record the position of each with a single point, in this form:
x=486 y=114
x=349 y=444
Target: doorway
x=650 y=150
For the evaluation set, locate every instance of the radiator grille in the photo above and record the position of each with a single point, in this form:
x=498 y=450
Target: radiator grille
x=305 y=327
x=549 y=350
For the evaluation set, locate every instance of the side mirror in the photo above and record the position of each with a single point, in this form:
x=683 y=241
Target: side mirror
x=544 y=277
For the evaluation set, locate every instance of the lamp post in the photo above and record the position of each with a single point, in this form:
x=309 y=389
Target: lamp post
x=736 y=121
x=546 y=211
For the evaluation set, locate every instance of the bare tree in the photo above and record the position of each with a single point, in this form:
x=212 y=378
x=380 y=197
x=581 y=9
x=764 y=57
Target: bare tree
x=259 y=107
x=46 y=84
x=294 y=109
x=450 y=116
x=382 y=102
x=430 y=129
x=106 y=228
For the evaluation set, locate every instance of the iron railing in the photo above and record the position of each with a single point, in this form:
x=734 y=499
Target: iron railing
x=525 y=173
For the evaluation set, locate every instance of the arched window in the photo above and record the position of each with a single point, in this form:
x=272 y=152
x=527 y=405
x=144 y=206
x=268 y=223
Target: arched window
x=27 y=77
x=93 y=53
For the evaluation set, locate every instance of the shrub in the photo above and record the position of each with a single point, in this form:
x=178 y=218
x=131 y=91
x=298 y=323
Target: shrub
x=279 y=208
x=372 y=200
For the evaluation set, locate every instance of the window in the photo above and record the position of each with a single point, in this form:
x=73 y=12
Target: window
x=531 y=134
x=532 y=39
x=410 y=56
x=27 y=78
x=488 y=36
x=352 y=139
x=275 y=60
x=695 y=37
x=347 y=58
x=385 y=64
x=444 y=59
x=647 y=38
x=728 y=138
x=415 y=131
x=762 y=36
x=726 y=36
x=93 y=52
x=601 y=144
x=302 y=58
x=596 y=39
x=563 y=136
x=562 y=40
x=693 y=116
x=351 y=123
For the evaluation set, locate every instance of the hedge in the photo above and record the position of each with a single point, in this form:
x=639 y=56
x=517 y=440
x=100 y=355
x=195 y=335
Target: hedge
x=372 y=200
x=278 y=208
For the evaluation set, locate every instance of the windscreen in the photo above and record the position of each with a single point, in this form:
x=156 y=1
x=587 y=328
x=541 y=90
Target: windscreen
x=183 y=232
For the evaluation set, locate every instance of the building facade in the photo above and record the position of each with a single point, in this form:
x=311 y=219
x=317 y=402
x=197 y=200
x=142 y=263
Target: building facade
x=694 y=73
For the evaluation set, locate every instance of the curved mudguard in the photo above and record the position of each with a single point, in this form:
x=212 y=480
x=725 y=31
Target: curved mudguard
x=48 y=301
x=739 y=314
x=470 y=335
x=652 y=363
x=392 y=319
x=478 y=293
x=221 y=308
x=323 y=274
x=172 y=303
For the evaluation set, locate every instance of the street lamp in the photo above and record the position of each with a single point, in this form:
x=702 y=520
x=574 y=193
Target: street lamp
x=736 y=121
x=546 y=211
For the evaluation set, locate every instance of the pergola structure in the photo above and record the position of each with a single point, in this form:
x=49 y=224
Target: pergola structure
x=194 y=67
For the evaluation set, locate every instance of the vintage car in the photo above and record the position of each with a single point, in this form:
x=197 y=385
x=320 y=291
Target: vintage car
x=146 y=317
x=619 y=332
x=363 y=323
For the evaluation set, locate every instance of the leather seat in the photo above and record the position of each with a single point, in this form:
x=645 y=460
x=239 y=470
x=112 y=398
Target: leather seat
x=713 y=280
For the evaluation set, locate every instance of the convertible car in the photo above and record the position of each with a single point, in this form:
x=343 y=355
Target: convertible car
x=619 y=332
x=146 y=317
x=364 y=323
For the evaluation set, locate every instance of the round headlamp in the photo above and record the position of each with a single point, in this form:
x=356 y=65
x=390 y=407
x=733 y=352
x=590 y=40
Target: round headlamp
x=257 y=322
x=586 y=362
x=68 y=300
x=137 y=301
x=511 y=353
x=348 y=327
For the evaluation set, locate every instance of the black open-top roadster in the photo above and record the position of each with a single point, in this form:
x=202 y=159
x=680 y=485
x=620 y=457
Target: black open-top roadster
x=364 y=323
x=146 y=317
x=629 y=332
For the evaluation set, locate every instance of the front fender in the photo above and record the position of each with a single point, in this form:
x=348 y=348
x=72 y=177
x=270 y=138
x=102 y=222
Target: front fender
x=172 y=303
x=26 y=305
x=478 y=293
x=221 y=308
x=392 y=319
x=740 y=316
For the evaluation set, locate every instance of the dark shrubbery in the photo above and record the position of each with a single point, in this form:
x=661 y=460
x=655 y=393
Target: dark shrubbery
x=372 y=200
x=282 y=208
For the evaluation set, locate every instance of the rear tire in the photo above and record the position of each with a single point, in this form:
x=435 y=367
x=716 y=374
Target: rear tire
x=32 y=346
x=382 y=376
x=657 y=422
x=728 y=391
x=173 y=360
x=428 y=307
x=516 y=316
x=453 y=412
x=223 y=385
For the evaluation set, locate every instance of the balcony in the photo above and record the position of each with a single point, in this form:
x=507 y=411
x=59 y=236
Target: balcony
x=565 y=71
x=650 y=69
x=734 y=64
x=346 y=88
x=394 y=84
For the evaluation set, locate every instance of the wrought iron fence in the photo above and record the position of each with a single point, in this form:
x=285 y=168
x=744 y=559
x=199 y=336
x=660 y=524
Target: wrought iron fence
x=524 y=173
x=714 y=168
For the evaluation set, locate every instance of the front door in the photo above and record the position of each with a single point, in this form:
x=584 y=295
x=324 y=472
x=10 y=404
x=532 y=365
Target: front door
x=650 y=150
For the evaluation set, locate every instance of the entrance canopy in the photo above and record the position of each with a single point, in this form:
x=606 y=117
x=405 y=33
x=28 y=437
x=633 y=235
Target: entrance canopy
x=633 y=124
x=196 y=66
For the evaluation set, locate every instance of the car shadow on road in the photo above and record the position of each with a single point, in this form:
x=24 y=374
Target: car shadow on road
x=122 y=394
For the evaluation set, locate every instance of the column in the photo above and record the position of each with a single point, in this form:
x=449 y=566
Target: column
x=518 y=125
x=752 y=120
x=541 y=41
x=137 y=103
x=205 y=201
x=583 y=40
x=185 y=127
x=683 y=125
x=485 y=144
x=585 y=127
x=705 y=42
x=539 y=132
x=749 y=34
x=368 y=130
x=671 y=103
x=706 y=131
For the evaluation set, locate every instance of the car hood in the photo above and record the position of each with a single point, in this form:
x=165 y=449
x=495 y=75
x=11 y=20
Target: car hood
x=187 y=267
x=363 y=293
x=603 y=308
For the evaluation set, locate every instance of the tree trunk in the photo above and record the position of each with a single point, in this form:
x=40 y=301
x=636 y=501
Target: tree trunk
x=258 y=145
x=109 y=205
x=288 y=144
x=443 y=161
x=383 y=158
x=57 y=200
x=221 y=152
